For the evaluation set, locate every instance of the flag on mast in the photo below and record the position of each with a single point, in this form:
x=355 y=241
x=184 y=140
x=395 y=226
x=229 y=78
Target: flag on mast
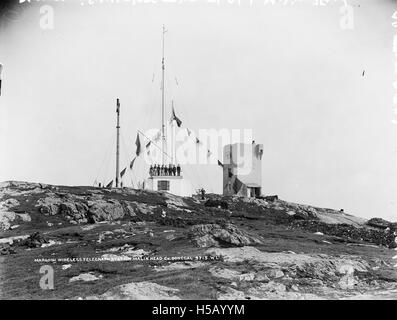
x=174 y=117
x=122 y=172
x=132 y=163
x=138 y=145
x=110 y=184
x=118 y=106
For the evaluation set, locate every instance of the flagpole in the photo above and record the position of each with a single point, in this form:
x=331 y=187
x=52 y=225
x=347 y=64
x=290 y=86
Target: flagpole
x=118 y=143
x=172 y=131
x=1 y=69
x=163 y=146
x=174 y=142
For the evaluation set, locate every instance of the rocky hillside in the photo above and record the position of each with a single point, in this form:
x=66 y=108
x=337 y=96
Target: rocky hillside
x=135 y=244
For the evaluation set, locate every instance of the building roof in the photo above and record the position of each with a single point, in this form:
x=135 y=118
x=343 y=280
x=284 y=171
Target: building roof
x=252 y=185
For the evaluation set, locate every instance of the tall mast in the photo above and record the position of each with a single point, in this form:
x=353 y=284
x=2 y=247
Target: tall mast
x=164 y=143
x=172 y=138
x=118 y=143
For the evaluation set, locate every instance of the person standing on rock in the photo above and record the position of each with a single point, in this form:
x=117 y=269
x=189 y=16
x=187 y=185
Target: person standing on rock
x=151 y=170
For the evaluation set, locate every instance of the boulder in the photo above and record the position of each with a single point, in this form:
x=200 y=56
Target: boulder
x=76 y=210
x=35 y=240
x=275 y=273
x=144 y=208
x=174 y=201
x=25 y=217
x=9 y=203
x=6 y=218
x=49 y=205
x=225 y=273
x=379 y=223
x=131 y=208
x=72 y=208
x=214 y=235
x=86 y=277
x=105 y=211
x=68 y=208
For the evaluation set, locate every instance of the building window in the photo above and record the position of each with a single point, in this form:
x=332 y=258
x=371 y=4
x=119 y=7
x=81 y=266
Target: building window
x=163 y=185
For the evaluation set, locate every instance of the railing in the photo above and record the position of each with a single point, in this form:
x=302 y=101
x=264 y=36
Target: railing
x=162 y=170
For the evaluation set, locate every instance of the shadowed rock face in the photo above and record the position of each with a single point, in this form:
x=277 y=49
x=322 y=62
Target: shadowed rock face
x=154 y=245
x=87 y=209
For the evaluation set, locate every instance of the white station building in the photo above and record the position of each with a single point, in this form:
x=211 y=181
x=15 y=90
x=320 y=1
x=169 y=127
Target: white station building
x=174 y=184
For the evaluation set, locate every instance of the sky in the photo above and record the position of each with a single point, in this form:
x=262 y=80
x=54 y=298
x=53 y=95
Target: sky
x=290 y=73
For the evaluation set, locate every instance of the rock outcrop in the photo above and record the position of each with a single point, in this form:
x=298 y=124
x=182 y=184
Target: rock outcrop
x=149 y=245
x=381 y=223
x=348 y=232
x=138 y=291
x=105 y=211
x=91 y=209
x=8 y=216
x=214 y=235
x=35 y=240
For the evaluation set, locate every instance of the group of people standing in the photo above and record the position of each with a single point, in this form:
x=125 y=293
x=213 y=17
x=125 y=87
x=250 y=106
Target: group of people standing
x=164 y=170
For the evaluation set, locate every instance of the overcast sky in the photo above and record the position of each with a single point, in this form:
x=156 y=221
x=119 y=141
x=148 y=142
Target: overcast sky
x=289 y=73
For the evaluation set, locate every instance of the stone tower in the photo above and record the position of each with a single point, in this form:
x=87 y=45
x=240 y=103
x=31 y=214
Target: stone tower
x=242 y=169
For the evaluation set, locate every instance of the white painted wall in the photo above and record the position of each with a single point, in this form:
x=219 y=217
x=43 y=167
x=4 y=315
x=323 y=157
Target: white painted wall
x=178 y=185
